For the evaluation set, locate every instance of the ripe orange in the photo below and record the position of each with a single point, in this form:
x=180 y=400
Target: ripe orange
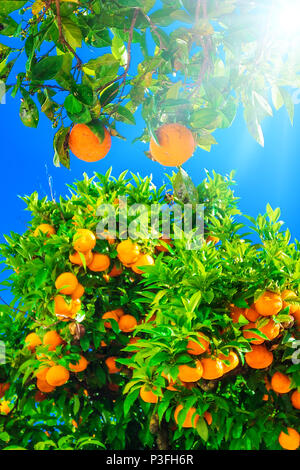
x=4 y=407
x=41 y=373
x=271 y=329
x=253 y=337
x=66 y=283
x=44 y=387
x=190 y=374
x=57 y=376
x=78 y=292
x=61 y=306
x=251 y=314
x=79 y=366
x=84 y=240
x=75 y=258
x=191 y=418
x=111 y=365
x=32 y=341
x=233 y=359
x=147 y=395
x=176 y=145
x=281 y=383
x=259 y=357
x=128 y=252
x=160 y=247
x=212 y=368
x=290 y=441
x=86 y=145
x=268 y=304
x=212 y=239
x=236 y=313
x=295 y=399
x=143 y=260
x=45 y=229
x=112 y=315
x=195 y=348
x=127 y=323
x=115 y=271
x=99 y=263
x=208 y=417
x=119 y=312
x=52 y=339
x=289 y=294
x=3 y=388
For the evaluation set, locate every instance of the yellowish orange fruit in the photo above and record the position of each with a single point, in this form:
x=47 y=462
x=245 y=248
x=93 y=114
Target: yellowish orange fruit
x=176 y=145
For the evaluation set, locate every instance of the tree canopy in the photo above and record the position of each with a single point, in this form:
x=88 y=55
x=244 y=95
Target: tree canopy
x=200 y=60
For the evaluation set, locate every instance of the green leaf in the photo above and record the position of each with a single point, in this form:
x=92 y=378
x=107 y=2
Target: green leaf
x=253 y=125
x=202 y=429
x=8 y=6
x=129 y=400
x=84 y=94
x=184 y=188
x=288 y=102
x=8 y=26
x=72 y=105
x=4 y=436
x=277 y=97
x=40 y=277
x=109 y=94
x=205 y=118
x=29 y=113
x=72 y=32
x=76 y=405
x=4 y=52
x=47 y=68
x=124 y=115
x=61 y=148
x=119 y=51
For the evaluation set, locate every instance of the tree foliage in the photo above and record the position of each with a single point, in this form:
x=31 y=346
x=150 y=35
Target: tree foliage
x=184 y=292
x=199 y=61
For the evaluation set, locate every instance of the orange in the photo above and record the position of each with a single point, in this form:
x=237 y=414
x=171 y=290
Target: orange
x=127 y=323
x=259 y=357
x=84 y=240
x=112 y=315
x=143 y=260
x=176 y=145
x=268 y=304
x=281 y=383
x=195 y=348
x=57 y=376
x=190 y=419
x=78 y=292
x=171 y=382
x=190 y=374
x=212 y=239
x=290 y=441
x=160 y=247
x=99 y=263
x=208 y=417
x=75 y=306
x=119 y=312
x=236 y=313
x=3 y=388
x=295 y=399
x=232 y=358
x=253 y=337
x=66 y=283
x=86 y=145
x=41 y=373
x=52 y=339
x=44 y=387
x=32 y=341
x=45 y=229
x=61 y=306
x=79 y=366
x=111 y=365
x=212 y=368
x=115 y=271
x=4 y=407
x=289 y=294
x=147 y=395
x=271 y=329
x=39 y=396
x=251 y=314
x=75 y=258
x=128 y=252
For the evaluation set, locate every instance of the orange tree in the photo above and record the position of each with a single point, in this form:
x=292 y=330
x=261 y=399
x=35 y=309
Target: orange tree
x=140 y=344
x=75 y=61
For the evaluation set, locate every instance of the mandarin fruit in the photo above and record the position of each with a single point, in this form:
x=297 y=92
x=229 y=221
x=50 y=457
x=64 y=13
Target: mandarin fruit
x=176 y=145
x=86 y=145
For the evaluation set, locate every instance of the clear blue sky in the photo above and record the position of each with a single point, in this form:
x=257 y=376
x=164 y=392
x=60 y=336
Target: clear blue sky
x=263 y=175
